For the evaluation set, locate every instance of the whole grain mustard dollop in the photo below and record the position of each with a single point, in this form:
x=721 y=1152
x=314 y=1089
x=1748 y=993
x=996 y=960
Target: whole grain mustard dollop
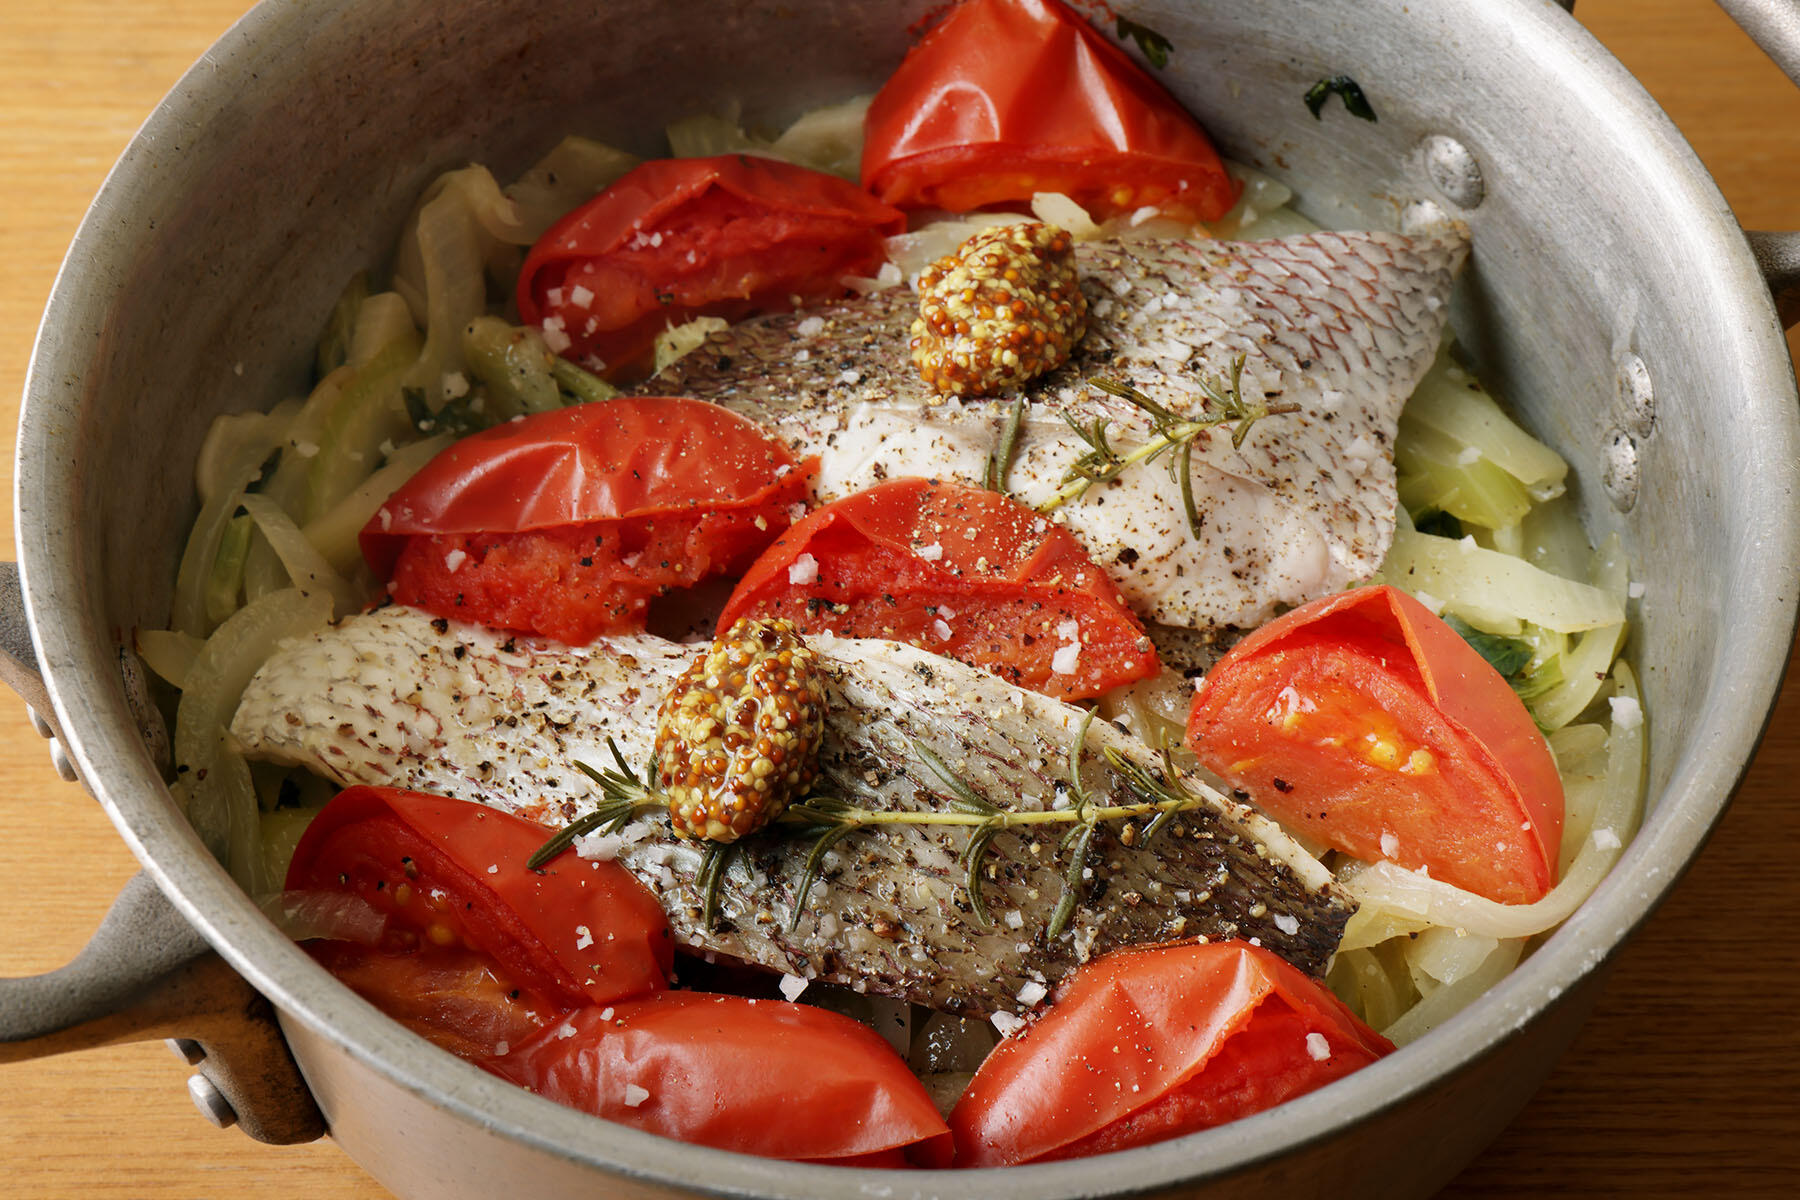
x=1000 y=311
x=738 y=735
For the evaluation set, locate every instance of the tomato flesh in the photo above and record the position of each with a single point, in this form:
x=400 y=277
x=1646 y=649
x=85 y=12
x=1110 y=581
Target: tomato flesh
x=761 y=1077
x=957 y=570
x=572 y=933
x=1154 y=1042
x=1354 y=721
x=567 y=524
x=578 y=582
x=673 y=239
x=1006 y=98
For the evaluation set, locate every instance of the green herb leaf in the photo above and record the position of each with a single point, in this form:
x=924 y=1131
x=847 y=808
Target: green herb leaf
x=1000 y=461
x=1506 y=655
x=718 y=860
x=973 y=855
x=962 y=795
x=1083 y=838
x=1355 y=103
x=1155 y=46
x=815 y=864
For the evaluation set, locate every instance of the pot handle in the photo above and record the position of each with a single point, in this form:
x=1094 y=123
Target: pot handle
x=147 y=974
x=1774 y=25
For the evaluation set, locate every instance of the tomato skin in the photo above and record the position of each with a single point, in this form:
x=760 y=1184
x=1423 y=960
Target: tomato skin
x=760 y=231
x=760 y=1077
x=532 y=924
x=1152 y=1043
x=1002 y=582
x=1005 y=98
x=568 y=523
x=1363 y=719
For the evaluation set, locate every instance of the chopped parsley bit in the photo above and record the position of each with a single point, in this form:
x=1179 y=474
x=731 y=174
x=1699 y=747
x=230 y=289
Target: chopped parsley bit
x=1355 y=103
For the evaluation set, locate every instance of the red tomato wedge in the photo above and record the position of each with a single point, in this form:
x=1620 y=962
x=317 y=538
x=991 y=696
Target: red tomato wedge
x=756 y=1076
x=957 y=570
x=478 y=948
x=1152 y=1043
x=1005 y=98
x=1364 y=721
x=569 y=523
x=676 y=238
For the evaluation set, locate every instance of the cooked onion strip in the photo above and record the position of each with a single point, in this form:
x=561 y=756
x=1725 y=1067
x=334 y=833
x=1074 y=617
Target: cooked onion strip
x=214 y=781
x=305 y=565
x=335 y=532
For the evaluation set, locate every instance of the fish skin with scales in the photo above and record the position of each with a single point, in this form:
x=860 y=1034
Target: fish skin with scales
x=1342 y=323
x=397 y=698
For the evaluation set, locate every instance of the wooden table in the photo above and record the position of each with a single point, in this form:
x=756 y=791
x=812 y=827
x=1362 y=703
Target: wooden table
x=1683 y=1083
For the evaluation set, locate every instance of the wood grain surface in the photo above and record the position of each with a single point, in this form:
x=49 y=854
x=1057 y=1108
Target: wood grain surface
x=1684 y=1082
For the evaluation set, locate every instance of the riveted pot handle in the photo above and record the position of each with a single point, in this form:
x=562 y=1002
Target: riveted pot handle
x=147 y=974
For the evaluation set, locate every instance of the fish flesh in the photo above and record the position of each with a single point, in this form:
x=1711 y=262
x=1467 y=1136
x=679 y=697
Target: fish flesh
x=1342 y=324
x=395 y=697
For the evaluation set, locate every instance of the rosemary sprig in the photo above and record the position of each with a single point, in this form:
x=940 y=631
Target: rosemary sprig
x=1000 y=461
x=828 y=820
x=1103 y=462
x=623 y=798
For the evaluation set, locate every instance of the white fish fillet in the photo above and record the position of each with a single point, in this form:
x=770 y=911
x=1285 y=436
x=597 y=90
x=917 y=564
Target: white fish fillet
x=1343 y=324
x=396 y=698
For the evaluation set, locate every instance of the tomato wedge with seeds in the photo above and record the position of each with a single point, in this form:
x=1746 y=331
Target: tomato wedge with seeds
x=1006 y=98
x=676 y=238
x=762 y=1077
x=957 y=570
x=1366 y=722
x=1155 y=1042
x=569 y=523
x=478 y=948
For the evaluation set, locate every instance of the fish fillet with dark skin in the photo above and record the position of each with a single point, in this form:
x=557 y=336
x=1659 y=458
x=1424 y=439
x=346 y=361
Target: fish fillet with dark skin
x=397 y=698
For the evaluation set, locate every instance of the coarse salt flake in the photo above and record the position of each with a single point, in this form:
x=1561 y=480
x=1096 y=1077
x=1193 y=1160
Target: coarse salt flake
x=930 y=553
x=502 y=1048
x=803 y=570
x=941 y=628
x=1032 y=992
x=566 y=1030
x=791 y=987
x=811 y=327
x=1006 y=1023
x=453 y=560
x=850 y=377
x=1469 y=456
x=1066 y=659
x=1606 y=839
x=1627 y=713
x=635 y=1095
x=1015 y=919
x=1635 y=589
x=493 y=868
x=1317 y=1048
x=1288 y=924
x=606 y=1014
x=1390 y=845
x=580 y=296
x=584 y=937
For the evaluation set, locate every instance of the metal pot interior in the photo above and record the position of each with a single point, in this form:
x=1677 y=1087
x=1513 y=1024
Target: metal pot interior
x=287 y=159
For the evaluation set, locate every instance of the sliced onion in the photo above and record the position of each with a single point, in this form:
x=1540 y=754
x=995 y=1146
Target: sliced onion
x=305 y=565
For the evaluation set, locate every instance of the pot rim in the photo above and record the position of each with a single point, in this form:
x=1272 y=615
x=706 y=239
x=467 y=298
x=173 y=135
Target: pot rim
x=111 y=760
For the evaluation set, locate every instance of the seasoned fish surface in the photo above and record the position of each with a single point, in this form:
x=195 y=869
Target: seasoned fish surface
x=1343 y=324
x=395 y=698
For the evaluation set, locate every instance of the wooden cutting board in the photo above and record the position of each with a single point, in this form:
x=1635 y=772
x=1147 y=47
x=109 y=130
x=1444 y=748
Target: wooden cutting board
x=1682 y=1084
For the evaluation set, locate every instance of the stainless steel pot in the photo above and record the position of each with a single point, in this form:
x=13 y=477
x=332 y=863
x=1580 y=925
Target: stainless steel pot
x=1628 y=323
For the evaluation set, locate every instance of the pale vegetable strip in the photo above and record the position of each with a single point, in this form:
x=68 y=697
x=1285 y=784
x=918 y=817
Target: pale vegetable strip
x=335 y=533
x=305 y=565
x=1450 y=404
x=168 y=652
x=1486 y=586
x=563 y=180
x=1446 y=1000
x=218 y=793
x=255 y=438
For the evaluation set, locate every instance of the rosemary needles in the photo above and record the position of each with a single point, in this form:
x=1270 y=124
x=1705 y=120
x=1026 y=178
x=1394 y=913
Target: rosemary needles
x=1171 y=434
